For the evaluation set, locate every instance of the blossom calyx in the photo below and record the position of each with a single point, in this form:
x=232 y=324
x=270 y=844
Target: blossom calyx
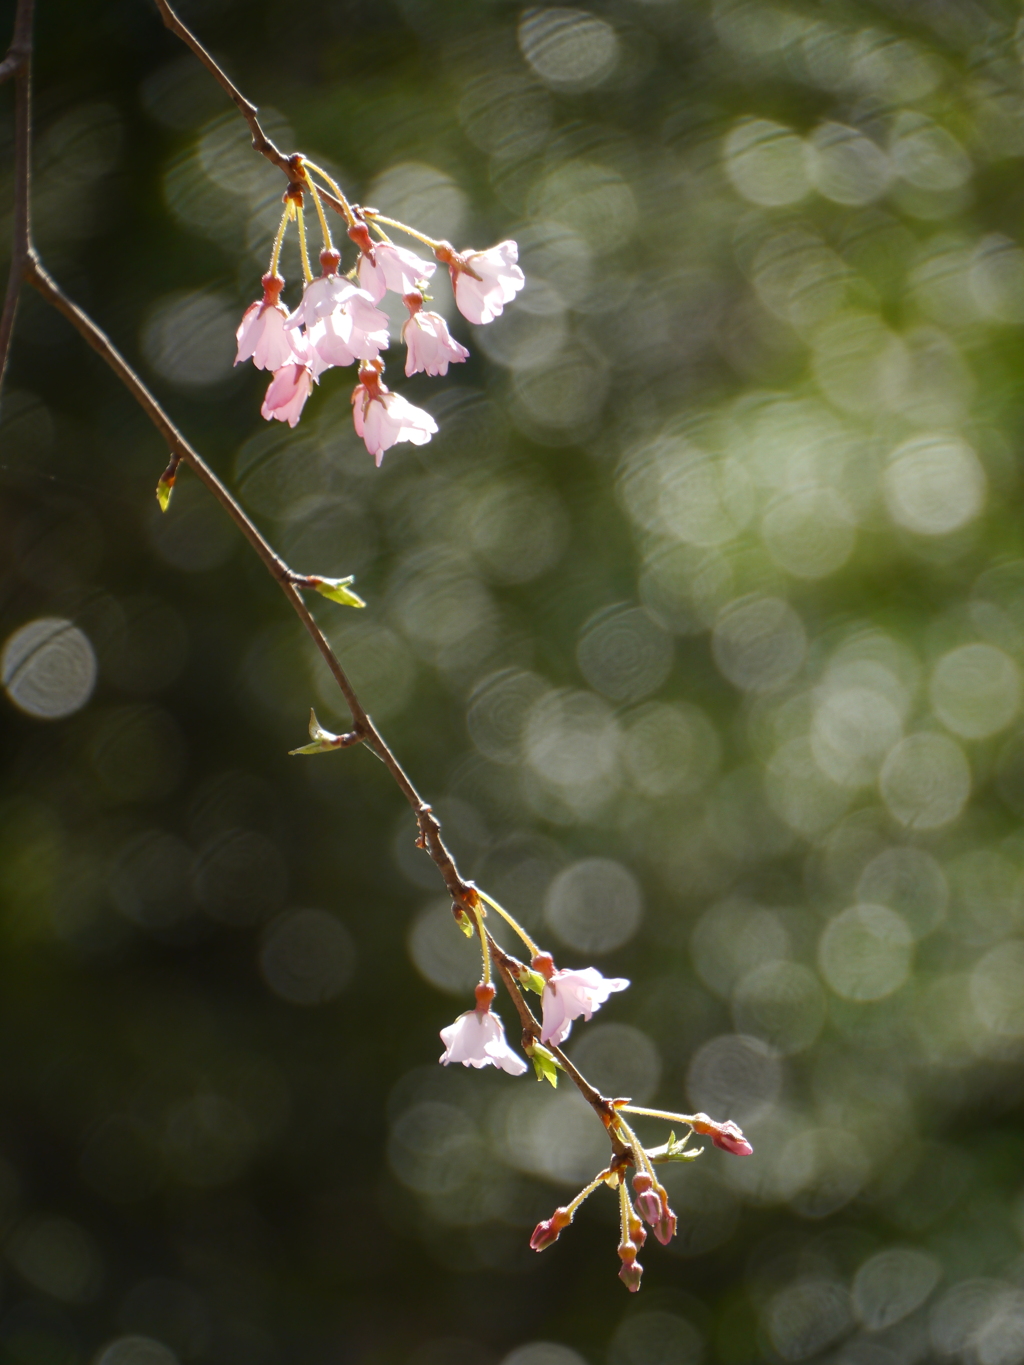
x=360 y=234
x=485 y=994
x=547 y=1231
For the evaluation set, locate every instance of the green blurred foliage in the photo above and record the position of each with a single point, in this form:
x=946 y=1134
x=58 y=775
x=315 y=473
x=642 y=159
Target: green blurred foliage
x=701 y=621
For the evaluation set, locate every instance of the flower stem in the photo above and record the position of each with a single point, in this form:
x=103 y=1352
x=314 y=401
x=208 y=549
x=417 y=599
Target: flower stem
x=302 y=243
x=484 y=948
x=324 y=229
x=657 y=1114
x=511 y=922
x=402 y=227
x=275 y=255
x=350 y=217
x=587 y=1191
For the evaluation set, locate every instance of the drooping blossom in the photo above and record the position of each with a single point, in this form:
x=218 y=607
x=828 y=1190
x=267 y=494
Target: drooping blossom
x=383 y=418
x=286 y=397
x=569 y=994
x=727 y=1135
x=477 y=1038
x=484 y=281
x=262 y=335
x=395 y=268
x=355 y=329
x=429 y=345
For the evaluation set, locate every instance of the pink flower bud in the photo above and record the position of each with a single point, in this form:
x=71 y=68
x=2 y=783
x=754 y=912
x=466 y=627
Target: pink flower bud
x=631 y=1269
x=649 y=1207
x=547 y=1231
x=728 y=1135
x=665 y=1228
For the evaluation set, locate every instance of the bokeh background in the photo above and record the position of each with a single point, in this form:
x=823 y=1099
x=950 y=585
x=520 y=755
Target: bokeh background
x=701 y=621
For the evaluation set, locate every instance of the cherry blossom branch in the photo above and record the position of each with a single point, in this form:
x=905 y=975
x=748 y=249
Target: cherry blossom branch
x=289 y=164
x=468 y=901
x=18 y=63
x=180 y=450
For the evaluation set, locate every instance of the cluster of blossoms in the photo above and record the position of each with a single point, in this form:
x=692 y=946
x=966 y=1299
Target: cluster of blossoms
x=338 y=322
x=477 y=1039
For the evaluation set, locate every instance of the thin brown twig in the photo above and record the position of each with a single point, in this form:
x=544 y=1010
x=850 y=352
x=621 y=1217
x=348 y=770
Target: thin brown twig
x=21 y=68
x=430 y=826
x=261 y=143
x=27 y=267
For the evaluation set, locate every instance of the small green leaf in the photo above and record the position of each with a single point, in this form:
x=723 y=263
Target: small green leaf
x=323 y=740
x=532 y=980
x=465 y=924
x=544 y=1064
x=164 y=489
x=338 y=590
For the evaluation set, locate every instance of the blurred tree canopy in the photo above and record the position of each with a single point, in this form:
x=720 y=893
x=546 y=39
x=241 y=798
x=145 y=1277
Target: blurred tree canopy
x=701 y=621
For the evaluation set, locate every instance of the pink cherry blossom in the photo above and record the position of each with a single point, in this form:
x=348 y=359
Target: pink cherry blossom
x=353 y=330
x=484 y=281
x=569 y=994
x=396 y=268
x=383 y=418
x=477 y=1038
x=262 y=336
x=286 y=397
x=430 y=347
x=320 y=297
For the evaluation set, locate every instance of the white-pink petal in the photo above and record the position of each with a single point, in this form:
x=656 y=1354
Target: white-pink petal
x=482 y=300
x=383 y=422
x=287 y=393
x=397 y=269
x=569 y=994
x=478 y=1040
x=430 y=346
x=263 y=337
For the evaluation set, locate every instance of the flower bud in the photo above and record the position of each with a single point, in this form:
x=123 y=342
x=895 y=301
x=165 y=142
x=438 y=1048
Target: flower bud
x=665 y=1228
x=631 y=1269
x=547 y=1231
x=728 y=1135
x=649 y=1207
